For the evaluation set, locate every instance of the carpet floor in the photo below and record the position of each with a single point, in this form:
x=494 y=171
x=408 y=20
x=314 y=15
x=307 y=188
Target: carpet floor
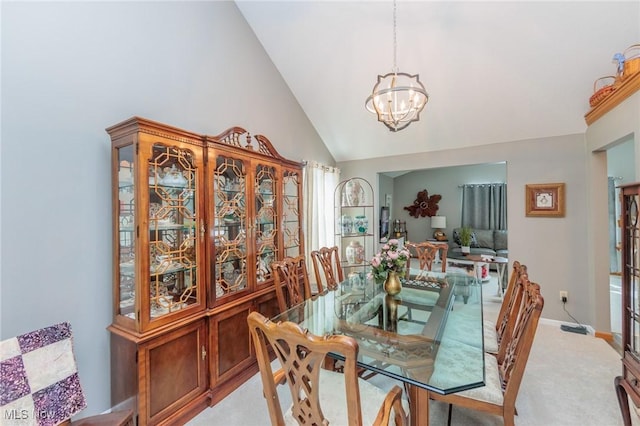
x=568 y=382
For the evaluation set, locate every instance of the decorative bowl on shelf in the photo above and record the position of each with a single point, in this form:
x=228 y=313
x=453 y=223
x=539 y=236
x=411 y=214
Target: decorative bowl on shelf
x=173 y=177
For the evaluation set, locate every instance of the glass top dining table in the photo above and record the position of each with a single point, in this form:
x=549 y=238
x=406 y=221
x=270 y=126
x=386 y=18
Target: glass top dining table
x=425 y=336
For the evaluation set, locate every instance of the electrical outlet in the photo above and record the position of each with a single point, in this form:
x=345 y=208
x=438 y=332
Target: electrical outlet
x=564 y=296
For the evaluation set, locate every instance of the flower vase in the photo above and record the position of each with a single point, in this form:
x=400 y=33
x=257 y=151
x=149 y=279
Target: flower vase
x=392 y=284
x=354 y=253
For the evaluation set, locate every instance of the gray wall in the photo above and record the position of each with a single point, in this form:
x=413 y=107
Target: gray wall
x=554 y=249
x=621 y=124
x=71 y=69
x=446 y=182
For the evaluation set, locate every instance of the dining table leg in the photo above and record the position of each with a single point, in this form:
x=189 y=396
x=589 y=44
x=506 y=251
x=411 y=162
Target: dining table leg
x=419 y=406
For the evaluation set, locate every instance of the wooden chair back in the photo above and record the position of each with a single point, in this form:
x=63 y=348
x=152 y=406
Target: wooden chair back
x=292 y=281
x=301 y=355
x=519 y=345
x=509 y=299
x=505 y=331
x=326 y=265
x=426 y=253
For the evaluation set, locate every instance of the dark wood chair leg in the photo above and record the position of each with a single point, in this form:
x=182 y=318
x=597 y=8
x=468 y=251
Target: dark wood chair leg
x=449 y=416
x=623 y=401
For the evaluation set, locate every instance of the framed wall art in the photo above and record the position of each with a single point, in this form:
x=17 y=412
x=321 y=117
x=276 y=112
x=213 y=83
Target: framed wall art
x=545 y=199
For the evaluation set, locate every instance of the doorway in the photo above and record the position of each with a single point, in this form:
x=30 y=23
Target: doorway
x=620 y=170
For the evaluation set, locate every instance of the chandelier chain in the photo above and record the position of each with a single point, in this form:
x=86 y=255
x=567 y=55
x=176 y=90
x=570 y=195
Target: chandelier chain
x=395 y=41
x=397 y=97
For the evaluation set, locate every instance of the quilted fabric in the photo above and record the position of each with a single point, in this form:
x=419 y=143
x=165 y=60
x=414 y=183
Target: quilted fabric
x=39 y=383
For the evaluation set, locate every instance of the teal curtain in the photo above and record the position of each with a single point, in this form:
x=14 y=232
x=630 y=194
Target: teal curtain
x=614 y=261
x=484 y=206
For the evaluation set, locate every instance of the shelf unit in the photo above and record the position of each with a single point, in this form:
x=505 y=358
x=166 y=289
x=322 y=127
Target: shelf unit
x=354 y=231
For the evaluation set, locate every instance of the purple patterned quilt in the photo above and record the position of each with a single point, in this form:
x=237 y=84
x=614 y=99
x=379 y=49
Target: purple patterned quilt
x=39 y=382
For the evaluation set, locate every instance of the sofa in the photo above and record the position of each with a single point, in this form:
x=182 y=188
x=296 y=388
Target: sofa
x=483 y=241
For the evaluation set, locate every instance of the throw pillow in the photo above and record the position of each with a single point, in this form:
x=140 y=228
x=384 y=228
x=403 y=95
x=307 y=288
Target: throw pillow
x=456 y=238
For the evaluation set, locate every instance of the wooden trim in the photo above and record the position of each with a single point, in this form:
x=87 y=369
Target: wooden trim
x=607 y=336
x=626 y=89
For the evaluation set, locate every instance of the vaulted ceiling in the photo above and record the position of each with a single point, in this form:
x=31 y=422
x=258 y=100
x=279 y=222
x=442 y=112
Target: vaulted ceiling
x=494 y=71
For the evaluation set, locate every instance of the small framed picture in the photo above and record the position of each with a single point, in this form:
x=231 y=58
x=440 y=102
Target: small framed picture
x=545 y=199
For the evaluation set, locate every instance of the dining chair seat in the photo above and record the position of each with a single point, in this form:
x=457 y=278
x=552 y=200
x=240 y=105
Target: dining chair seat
x=450 y=353
x=490 y=337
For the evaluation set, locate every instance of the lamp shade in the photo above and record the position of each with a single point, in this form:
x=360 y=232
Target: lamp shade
x=438 y=222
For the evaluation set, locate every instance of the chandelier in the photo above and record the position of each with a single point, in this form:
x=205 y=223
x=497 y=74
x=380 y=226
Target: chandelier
x=398 y=97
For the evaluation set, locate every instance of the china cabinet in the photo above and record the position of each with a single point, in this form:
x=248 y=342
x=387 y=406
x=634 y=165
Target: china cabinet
x=354 y=208
x=197 y=222
x=629 y=382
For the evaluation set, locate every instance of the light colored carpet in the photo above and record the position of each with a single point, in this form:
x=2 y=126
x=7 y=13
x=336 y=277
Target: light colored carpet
x=568 y=382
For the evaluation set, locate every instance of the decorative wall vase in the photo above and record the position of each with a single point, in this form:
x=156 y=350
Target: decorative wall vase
x=354 y=193
x=392 y=284
x=355 y=253
x=346 y=224
x=361 y=224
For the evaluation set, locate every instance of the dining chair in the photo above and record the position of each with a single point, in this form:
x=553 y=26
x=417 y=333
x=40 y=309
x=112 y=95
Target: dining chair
x=426 y=253
x=509 y=310
x=326 y=264
x=292 y=281
x=319 y=396
x=502 y=379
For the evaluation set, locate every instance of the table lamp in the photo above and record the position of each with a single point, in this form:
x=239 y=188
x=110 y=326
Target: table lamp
x=439 y=223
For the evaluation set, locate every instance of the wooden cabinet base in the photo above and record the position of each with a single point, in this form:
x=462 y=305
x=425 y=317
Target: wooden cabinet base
x=166 y=375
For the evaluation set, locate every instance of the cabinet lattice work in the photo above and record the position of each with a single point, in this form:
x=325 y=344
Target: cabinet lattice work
x=197 y=222
x=628 y=384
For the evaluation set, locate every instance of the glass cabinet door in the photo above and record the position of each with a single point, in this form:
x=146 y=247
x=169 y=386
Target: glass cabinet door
x=292 y=183
x=167 y=238
x=230 y=226
x=631 y=270
x=126 y=233
x=172 y=230
x=265 y=221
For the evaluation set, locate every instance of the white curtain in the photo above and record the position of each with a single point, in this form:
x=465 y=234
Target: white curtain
x=320 y=182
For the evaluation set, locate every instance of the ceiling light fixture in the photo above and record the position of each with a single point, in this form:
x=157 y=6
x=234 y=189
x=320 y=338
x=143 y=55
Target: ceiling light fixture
x=398 y=97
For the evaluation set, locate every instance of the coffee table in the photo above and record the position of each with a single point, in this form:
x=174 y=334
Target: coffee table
x=501 y=266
